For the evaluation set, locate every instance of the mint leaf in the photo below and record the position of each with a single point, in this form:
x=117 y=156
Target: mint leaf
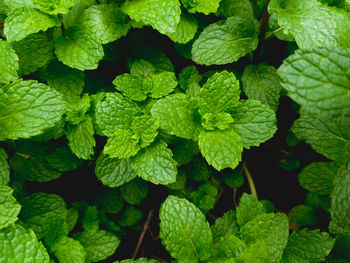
x=20 y=245
x=249 y=208
x=113 y=172
x=17 y=26
x=184 y=230
x=205 y=197
x=312 y=23
x=307 y=246
x=4 y=167
x=221 y=149
x=189 y=79
x=302 y=215
x=130 y=217
x=139 y=260
x=254 y=122
x=110 y=201
x=78 y=48
x=160 y=84
x=106 y=21
x=185 y=30
x=318 y=177
x=8 y=63
x=225 y=225
x=219 y=94
x=131 y=86
x=155 y=164
x=71 y=18
x=9 y=207
x=226 y=248
x=68 y=250
x=162 y=16
x=201 y=6
x=12 y=4
x=134 y=191
x=147 y=128
x=76 y=110
x=261 y=82
x=226 y=41
x=230 y=8
x=54 y=7
x=177 y=114
x=123 y=144
x=27 y=108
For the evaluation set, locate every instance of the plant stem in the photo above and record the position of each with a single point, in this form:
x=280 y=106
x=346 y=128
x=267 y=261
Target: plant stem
x=250 y=181
x=142 y=235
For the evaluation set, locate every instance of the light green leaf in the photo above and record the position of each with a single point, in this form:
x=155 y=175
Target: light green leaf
x=27 y=108
x=71 y=18
x=113 y=172
x=185 y=30
x=219 y=94
x=79 y=49
x=162 y=16
x=131 y=86
x=4 y=167
x=318 y=177
x=160 y=84
x=107 y=21
x=225 y=225
x=184 y=231
x=81 y=139
x=155 y=164
x=8 y=63
x=98 y=245
x=226 y=41
x=123 y=144
x=139 y=260
x=54 y=7
x=147 y=128
x=177 y=114
x=221 y=149
x=9 y=207
x=254 y=122
x=142 y=68
x=76 y=110
x=312 y=23
x=248 y=209
x=134 y=191
x=261 y=82
x=201 y=6
x=24 y=21
x=19 y=245
x=226 y=248
x=307 y=246
x=12 y=4
x=241 y=8
x=68 y=250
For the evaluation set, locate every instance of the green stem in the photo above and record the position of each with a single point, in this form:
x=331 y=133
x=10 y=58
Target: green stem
x=250 y=181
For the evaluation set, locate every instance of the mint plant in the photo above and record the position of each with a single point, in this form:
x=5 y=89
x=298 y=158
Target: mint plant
x=173 y=131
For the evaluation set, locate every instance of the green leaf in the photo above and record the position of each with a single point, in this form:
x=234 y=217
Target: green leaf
x=185 y=29
x=226 y=41
x=81 y=139
x=98 y=245
x=91 y=219
x=110 y=200
x=233 y=179
x=113 y=172
x=147 y=128
x=123 y=144
x=271 y=230
x=184 y=151
x=107 y=21
x=184 y=231
x=38 y=210
x=162 y=16
x=77 y=109
x=201 y=6
x=205 y=197
x=24 y=21
x=139 y=260
x=134 y=191
x=142 y=68
x=221 y=149
x=79 y=49
x=225 y=225
x=318 y=79
x=68 y=250
x=307 y=246
x=71 y=219
x=312 y=23
x=318 y=177
x=4 y=167
x=155 y=164
x=302 y=215
x=189 y=79
x=71 y=18
x=20 y=245
x=54 y=7
x=177 y=114
x=131 y=216
x=254 y=122
x=241 y=8
x=9 y=207
x=8 y=63
x=160 y=85
x=12 y=4
x=131 y=86
x=27 y=108
x=115 y=112
x=261 y=82
x=226 y=248
x=248 y=209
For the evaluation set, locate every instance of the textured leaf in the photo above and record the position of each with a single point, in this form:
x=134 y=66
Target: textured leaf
x=19 y=245
x=54 y=7
x=230 y=8
x=189 y=79
x=68 y=250
x=131 y=86
x=139 y=260
x=130 y=217
x=201 y=6
x=8 y=63
x=4 y=168
x=318 y=177
x=12 y=4
x=226 y=41
x=219 y=94
x=27 y=108
x=184 y=231
x=147 y=128
x=162 y=16
x=160 y=84
x=110 y=200
x=81 y=139
x=248 y=209
x=155 y=164
x=225 y=225
x=221 y=149
x=134 y=191
x=185 y=30
x=123 y=144
x=76 y=110
x=9 y=207
x=107 y=21
x=261 y=82
x=312 y=23
x=227 y=248
x=307 y=246
x=113 y=172
x=302 y=215
x=79 y=49
x=254 y=122
x=98 y=245
x=205 y=197
x=24 y=21
x=177 y=114
x=71 y=18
